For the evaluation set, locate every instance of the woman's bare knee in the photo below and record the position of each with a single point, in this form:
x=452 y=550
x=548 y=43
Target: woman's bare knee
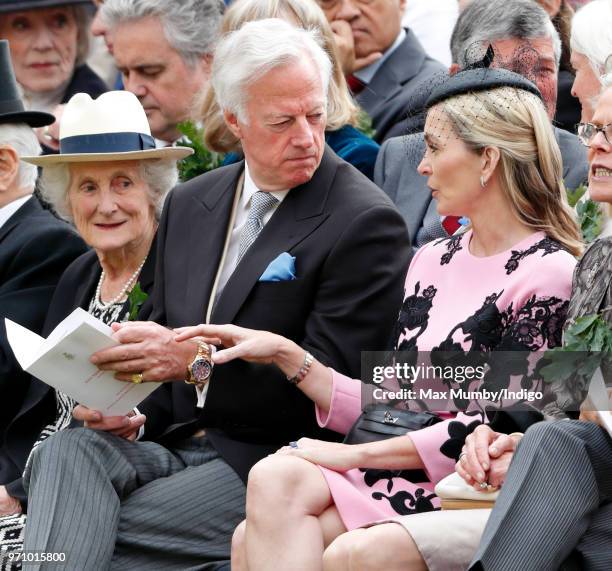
x=285 y=484
x=385 y=546
x=239 y=548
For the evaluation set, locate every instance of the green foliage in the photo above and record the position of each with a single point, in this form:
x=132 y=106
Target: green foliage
x=203 y=160
x=364 y=124
x=573 y=196
x=136 y=298
x=590 y=214
x=587 y=342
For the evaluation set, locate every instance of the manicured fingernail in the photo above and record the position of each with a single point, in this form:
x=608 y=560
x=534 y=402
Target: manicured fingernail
x=480 y=476
x=494 y=450
x=485 y=465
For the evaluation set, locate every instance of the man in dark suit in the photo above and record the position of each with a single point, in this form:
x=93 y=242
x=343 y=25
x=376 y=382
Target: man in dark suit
x=525 y=41
x=35 y=249
x=387 y=65
x=173 y=502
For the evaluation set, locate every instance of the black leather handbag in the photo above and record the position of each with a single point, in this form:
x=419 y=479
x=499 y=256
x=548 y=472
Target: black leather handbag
x=380 y=421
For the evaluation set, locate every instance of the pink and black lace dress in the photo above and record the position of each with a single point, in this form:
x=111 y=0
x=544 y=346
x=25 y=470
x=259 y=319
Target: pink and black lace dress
x=515 y=300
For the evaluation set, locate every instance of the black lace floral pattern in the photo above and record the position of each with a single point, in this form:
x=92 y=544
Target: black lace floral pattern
x=413 y=314
x=548 y=245
x=453 y=245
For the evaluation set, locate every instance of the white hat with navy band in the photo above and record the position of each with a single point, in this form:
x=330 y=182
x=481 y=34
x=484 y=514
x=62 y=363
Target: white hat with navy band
x=113 y=127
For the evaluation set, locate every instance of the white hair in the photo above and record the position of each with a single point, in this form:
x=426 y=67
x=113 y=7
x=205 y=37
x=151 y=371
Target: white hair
x=22 y=138
x=255 y=49
x=592 y=33
x=160 y=176
x=191 y=27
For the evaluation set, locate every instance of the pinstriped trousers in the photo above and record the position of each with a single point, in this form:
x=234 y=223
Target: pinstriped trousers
x=109 y=503
x=556 y=501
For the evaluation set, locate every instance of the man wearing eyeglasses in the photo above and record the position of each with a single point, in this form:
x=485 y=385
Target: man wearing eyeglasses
x=384 y=63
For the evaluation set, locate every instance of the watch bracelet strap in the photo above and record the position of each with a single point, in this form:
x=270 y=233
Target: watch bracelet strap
x=301 y=374
x=204 y=350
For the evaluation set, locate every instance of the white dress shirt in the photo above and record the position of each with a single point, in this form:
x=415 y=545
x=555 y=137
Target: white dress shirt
x=9 y=209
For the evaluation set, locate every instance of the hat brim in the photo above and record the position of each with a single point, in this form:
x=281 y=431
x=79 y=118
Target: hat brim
x=31 y=118
x=35 y=4
x=176 y=153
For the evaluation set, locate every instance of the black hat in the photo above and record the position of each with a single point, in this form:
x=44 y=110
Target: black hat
x=12 y=109
x=480 y=77
x=18 y=5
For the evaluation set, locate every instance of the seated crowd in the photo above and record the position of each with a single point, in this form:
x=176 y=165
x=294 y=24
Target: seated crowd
x=367 y=199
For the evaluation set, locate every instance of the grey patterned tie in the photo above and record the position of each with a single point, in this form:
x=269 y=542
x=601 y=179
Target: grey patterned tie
x=261 y=203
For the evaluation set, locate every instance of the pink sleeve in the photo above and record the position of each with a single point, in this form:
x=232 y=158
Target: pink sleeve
x=345 y=405
x=446 y=436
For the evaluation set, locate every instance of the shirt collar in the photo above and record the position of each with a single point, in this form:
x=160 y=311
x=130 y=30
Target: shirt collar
x=366 y=74
x=250 y=188
x=9 y=209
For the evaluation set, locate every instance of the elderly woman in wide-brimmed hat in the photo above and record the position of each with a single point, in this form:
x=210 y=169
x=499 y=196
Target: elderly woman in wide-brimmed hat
x=49 y=45
x=110 y=181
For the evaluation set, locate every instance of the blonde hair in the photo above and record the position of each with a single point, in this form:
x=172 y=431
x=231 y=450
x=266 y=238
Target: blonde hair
x=341 y=109
x=530 y=167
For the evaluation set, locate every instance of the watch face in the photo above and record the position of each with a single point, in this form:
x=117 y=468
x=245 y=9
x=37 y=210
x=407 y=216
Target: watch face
x=201 y=369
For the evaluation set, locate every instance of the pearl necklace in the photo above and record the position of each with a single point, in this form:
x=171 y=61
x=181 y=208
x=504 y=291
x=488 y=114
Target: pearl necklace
x=128 y=285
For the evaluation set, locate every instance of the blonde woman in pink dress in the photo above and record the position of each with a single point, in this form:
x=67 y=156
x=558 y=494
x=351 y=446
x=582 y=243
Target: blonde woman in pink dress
x=503 y=284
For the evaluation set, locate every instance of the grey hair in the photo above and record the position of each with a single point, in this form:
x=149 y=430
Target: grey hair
x=160 y=176
x=255 y=49
x=491 y=20
x=592 y=35
x=83 y=21
x=191 y=26
x=22 y=138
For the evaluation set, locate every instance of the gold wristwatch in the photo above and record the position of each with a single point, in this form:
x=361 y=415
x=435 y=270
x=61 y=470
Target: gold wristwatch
x=200 y=369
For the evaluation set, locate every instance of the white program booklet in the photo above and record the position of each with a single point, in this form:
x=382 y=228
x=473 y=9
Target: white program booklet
x=598 y=397
x=62 y=361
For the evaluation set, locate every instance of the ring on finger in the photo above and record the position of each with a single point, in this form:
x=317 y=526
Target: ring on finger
x=462 y=456
x=136 y=378
x=293 y=444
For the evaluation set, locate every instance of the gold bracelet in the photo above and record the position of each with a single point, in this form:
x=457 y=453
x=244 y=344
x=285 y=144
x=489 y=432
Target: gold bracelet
x=301 y=374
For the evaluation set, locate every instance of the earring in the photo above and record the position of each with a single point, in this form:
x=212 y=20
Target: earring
x=482 y=182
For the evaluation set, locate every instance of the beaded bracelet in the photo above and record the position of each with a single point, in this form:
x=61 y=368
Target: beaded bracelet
x=301 y=374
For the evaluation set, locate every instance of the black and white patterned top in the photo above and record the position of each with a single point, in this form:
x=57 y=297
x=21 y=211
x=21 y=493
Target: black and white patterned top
x=107 y=313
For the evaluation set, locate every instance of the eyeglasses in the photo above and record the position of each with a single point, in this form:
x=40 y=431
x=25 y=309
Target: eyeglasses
x=587 y=131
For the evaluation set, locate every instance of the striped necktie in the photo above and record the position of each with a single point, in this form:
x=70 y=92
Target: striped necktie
x=261 y=203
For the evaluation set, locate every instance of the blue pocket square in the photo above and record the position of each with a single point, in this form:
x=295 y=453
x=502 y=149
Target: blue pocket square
x=280 y=269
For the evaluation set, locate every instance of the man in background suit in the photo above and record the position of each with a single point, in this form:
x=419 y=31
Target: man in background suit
x=35 y=249
x=524 y=41
x=386 y=64
x=138 y=505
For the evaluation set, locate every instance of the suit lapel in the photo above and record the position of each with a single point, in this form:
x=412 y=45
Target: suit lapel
x=300 y=213
x=211 y=216
x=399 y=68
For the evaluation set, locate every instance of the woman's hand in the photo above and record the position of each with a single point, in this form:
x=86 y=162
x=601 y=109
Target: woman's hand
x=332 y=455
x=8 y=504
x=240 y=343
x=125 y=426
x=485 y=457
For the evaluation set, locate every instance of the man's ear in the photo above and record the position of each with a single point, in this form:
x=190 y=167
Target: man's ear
x=9 y=168
x=489 y=161
x=453 y=69
x=232 y=123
